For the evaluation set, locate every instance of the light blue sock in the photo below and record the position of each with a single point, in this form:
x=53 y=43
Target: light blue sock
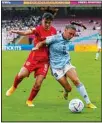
x=97 y=55
x=83 y=93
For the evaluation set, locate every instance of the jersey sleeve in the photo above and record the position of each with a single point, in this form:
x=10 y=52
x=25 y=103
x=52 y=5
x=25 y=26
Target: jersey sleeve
x=36 y=31
x=50 y=39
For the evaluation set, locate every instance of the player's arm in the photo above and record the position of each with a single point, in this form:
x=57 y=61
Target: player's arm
x=49 y=40
x=39 y=45
x=28 y=32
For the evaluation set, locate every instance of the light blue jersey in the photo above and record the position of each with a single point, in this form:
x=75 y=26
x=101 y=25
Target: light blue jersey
x=58 y=48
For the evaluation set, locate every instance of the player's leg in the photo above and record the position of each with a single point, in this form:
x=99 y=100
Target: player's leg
x=98 y=53
x=67 y=87
x=24 y=72
x=18 y=78
x=40 y=75
x=35 y=89
x=60 y=76
x=80 y=87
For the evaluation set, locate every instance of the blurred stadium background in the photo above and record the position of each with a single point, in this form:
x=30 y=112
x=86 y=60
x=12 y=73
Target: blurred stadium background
x=27 y=14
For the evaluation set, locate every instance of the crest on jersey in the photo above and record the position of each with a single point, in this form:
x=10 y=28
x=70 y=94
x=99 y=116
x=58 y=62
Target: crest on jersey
x=27 y=63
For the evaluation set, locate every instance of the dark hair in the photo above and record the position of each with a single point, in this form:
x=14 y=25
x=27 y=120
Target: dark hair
x=70 y=26
x=47 y=16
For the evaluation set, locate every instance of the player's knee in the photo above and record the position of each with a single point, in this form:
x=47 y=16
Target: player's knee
x=20 y=76
x=37 y=86
x=23 y=73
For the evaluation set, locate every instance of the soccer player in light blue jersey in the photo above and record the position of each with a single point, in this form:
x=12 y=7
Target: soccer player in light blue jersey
x=60 y=63
x=99 y=43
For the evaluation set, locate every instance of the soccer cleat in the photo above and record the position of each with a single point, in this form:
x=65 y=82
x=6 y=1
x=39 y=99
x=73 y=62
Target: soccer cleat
x=90 y=105
x=29 y=103
x=10 y=91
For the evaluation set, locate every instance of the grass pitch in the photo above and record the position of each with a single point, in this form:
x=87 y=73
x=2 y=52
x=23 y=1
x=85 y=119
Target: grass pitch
x=49 y=104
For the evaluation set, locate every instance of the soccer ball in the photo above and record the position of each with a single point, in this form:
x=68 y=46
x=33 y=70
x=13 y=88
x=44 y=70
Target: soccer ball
x=76 y=105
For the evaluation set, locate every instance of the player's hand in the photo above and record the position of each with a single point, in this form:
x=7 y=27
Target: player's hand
x=10 y=32
x=34 y=48
x=38 y=46
x=14 y=31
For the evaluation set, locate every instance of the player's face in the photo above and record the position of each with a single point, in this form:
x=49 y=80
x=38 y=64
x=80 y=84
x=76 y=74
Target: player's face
x=69 y=33
x=46 y=23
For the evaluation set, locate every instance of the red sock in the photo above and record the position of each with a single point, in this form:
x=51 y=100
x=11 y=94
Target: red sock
x=17 y=81
x=33 y=94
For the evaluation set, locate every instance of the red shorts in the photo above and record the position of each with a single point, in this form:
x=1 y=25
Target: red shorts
x=39 y=67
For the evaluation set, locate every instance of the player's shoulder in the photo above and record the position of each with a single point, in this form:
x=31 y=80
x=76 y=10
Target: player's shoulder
x=38 y=27
x=58 y=36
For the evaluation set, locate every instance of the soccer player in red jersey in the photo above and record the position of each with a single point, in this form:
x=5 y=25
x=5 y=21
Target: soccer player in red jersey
x=37 y=61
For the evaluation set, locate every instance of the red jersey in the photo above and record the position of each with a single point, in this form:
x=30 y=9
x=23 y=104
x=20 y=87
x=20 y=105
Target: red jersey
x=40 y=34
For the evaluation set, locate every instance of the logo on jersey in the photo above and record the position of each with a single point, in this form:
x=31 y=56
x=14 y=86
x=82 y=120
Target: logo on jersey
x=27 y=63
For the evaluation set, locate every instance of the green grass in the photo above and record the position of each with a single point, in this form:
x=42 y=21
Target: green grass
x=48 y=105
